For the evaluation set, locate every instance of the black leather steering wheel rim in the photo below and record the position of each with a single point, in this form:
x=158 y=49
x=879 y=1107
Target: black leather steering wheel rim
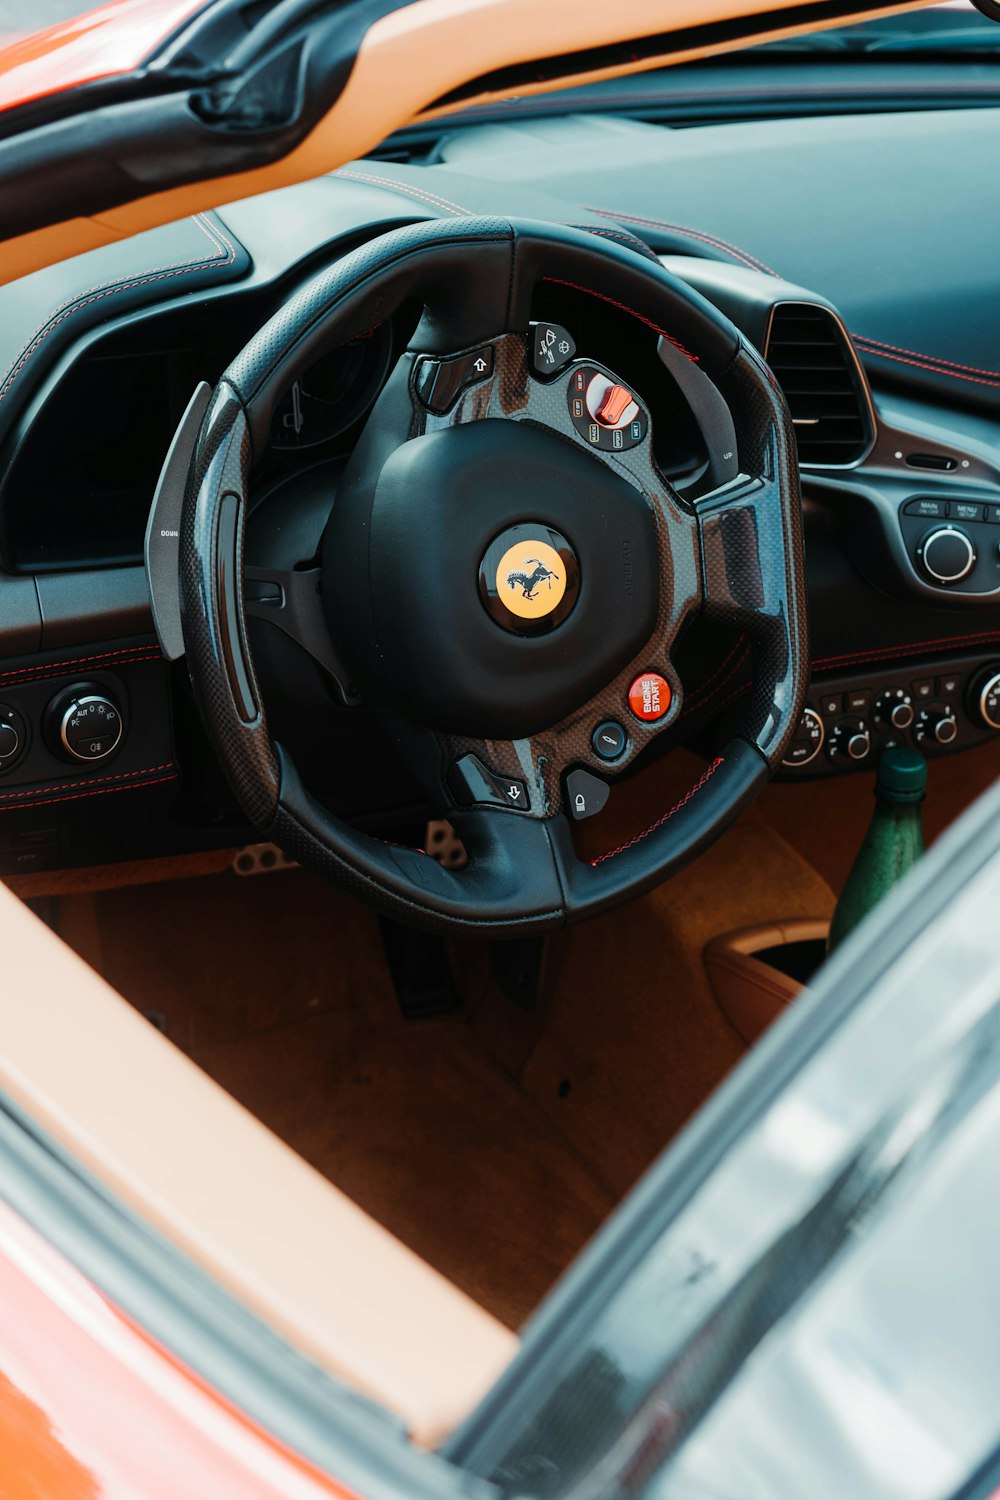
x=475 y=279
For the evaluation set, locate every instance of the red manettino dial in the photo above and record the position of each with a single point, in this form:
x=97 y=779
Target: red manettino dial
x=649 y=696
x=614 y=404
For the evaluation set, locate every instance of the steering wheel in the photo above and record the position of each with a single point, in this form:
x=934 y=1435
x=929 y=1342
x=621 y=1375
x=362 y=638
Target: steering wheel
x=506 y=570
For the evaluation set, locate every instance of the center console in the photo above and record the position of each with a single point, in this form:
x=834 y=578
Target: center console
x=934 y=707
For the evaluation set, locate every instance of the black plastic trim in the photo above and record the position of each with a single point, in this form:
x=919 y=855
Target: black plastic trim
x=20 y=616
x=95 y=605
x=234 y=121
x=162 y=543
x=129 y=150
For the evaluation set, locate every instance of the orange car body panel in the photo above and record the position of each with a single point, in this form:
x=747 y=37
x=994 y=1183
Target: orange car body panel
x=92 y=1409
x=113 y=40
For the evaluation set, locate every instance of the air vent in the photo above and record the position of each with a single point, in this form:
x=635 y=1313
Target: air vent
x=814 y=363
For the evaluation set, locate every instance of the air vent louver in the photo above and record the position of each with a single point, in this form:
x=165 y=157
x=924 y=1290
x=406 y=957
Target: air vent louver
x=813 y=363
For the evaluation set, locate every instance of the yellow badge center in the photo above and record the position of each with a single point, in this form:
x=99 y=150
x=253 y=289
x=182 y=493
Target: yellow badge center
x=531 y=579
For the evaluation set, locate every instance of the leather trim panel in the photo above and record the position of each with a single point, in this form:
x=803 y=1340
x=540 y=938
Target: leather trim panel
x=752 y=994
x=61 y=303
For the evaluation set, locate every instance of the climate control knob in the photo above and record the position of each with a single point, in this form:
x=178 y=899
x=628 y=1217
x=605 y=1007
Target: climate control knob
x=947 y=555
x=807 y=740
x=935 y=725
x=849 y=740
x=13 y=737
x=984 y=700
x=84 y=723
x=893 y=709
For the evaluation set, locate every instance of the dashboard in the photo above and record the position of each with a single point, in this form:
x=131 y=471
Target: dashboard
x=798 y=230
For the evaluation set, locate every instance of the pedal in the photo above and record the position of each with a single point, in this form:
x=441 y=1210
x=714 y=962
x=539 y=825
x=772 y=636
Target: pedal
x=421 y=972
x=517 y=967
x=261 y=859
x=443 y=844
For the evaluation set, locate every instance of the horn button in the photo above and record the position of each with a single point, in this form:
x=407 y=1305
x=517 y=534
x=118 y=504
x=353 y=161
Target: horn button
x=509 y=576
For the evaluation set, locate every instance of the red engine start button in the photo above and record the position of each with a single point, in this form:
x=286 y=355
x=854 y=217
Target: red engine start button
x=649 y=696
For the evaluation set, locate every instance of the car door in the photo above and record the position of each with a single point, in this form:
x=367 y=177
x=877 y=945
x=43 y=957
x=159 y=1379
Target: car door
x=800 y=1298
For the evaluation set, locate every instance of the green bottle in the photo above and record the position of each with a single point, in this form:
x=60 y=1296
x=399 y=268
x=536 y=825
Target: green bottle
x=894 y=841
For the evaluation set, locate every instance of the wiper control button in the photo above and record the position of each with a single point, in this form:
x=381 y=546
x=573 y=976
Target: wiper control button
x=552 y=348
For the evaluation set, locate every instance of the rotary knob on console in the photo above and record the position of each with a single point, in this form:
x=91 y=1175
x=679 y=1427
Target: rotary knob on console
x=13 y=737
x=807 y=740
x=849 y=740
x=947 y=555
x=984 y=697
x=84 y=723
x=935 y=726
x=893 y=709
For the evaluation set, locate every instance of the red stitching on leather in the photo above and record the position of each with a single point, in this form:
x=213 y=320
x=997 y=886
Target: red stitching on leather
x=632 y=241
x=744 y=687
x=407 y=189
x=753 y=262
x=53 y=669
x=630 y=843
x=694 y=234
x=108 y=289
x=920 y=364
x=602 y=297
x=66 y=786
x=936 y=365
x=939 y=359
x=914 y=648
x=703 y=697
x=704 y=686
x=131 y=786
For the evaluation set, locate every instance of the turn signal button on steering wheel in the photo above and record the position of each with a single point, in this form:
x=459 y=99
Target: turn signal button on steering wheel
x=649 y=697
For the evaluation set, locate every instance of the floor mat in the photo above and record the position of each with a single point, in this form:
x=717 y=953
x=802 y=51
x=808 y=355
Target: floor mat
x=492 y=1142
x=633 y=1041
x=429 y=1137
x=277 y=988
x=495 y=1141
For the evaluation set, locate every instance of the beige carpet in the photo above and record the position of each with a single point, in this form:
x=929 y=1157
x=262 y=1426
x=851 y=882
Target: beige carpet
x=496 y=1140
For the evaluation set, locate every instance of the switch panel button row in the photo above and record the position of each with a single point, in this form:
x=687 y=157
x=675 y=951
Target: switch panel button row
x=935 y=709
